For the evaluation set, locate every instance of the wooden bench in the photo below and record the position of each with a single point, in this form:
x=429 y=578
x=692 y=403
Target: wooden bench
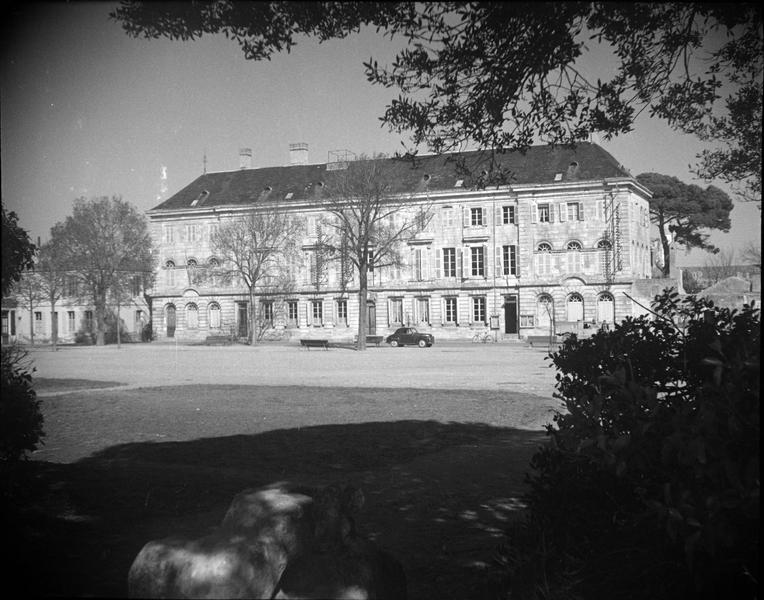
x=310 y=343
x=217 y=340
x=371 y=339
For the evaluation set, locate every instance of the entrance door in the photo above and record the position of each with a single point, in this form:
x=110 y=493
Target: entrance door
x=242 y=319
x=170 y=320
x=510 y=314
x=575 y=307
x=605 y=308
x=372 y=320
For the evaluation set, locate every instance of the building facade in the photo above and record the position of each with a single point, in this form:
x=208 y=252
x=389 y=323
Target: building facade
x=516 y=243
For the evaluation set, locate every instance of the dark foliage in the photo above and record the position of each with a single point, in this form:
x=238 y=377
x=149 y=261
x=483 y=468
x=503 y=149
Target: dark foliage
x=18 y=251
x=20 y=417
x=649 y=487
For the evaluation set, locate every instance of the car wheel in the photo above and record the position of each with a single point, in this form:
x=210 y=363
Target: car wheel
x=394 y=343
x=422 y=344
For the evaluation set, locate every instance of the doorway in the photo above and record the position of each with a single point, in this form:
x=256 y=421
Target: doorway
x=510 y=314
x=242 y=319
x=371 y=323
x=170 y=320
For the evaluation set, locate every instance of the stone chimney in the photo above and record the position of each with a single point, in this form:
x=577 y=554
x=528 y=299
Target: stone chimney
x=245 y=158
x=298 y=153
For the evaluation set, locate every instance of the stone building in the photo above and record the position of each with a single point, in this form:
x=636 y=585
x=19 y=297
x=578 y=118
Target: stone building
x=521 y=243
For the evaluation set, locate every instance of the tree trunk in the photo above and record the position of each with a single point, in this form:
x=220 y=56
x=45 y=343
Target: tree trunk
x=666 y=268
x=363 y=310
x=31 y=324
x=119 y=338
x=251 y=337
x=100 y=310
x=53 y=326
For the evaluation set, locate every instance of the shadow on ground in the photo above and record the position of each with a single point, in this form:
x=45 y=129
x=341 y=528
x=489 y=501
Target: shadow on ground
x=438 y=495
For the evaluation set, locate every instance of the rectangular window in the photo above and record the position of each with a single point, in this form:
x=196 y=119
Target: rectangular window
x=478 y=309
x=527 y=321
x=574 y=211
x=449 y=262
x=543 y=210
x=342 y=312
x=71 y=287
x=396 y=311
x=477 y=262
x=136 y=283
x=71 y=321
x=38 y=322
x=292 y=313
x=509 y=260
x=448 y=217
x=89 y=321
x=544 y=263
x=317 y=307
x=169 y=234
x=476 y=217
x=450 y=310
x=423 y=310
x=508 y=215
x=267 y=307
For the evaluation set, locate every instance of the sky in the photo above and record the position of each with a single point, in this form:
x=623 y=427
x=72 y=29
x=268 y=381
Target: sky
x=86 y=111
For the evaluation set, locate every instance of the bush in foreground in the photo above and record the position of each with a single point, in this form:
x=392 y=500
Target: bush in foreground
x=20 y=417
x=649 y=487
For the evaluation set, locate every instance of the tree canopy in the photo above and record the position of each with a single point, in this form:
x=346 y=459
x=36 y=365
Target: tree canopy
x=18 y=250
x=508 y=75
x=682 y=211
x=105 y=241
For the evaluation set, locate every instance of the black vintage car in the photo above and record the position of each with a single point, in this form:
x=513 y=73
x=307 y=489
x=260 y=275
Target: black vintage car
x=404 y=336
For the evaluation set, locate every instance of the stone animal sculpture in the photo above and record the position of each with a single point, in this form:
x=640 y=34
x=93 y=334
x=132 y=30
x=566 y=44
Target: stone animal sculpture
x=245 y=557
x=344 y=566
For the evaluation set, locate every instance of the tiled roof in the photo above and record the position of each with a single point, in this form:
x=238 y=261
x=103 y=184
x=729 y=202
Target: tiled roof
x=539 y=165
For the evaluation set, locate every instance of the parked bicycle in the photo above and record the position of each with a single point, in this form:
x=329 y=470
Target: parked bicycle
x=485 y=338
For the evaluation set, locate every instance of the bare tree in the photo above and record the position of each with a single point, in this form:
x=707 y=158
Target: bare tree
x=255 y=248
x=371 y=222
x=720 y=266
x=29 y=292
x=751 y=254
x=52 y=277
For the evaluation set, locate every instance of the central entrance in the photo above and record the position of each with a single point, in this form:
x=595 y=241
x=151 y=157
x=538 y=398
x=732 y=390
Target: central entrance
x=510 y=314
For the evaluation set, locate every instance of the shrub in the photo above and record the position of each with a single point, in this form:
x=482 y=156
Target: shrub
x=20 y=417
x=649 y=487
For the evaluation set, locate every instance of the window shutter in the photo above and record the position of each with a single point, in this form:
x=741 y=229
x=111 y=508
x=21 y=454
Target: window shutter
x=563 y=213
x=412 y=263
x=551 y=212
x=459 y=263
x=437 y=263
x=465 y=216
x=456 y=311
x=426 y=264
x=498 y=260
x=486 y=263
x=534 y=213
x=580 y=211
x=499 y=216
x=389 y=311
x=484 y=216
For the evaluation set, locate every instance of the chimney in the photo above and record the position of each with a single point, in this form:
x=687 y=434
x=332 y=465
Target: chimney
x=245 y=158
x=298 y=153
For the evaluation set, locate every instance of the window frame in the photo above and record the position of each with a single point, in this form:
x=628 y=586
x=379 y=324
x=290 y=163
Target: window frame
x=449 y=266
x=508 y=215
x=479 y=309
x=477 y=261
x=544 y=210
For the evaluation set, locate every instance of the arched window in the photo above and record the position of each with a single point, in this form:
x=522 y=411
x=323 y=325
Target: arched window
x=544 y=258
x=574 y=256
x=170 y=266
x=214 y=315
x=544 y=312
x=191 y=262
x=192 y=316
x=213 y=263
x=604 y=245
x=575 y=307
x=605 y=308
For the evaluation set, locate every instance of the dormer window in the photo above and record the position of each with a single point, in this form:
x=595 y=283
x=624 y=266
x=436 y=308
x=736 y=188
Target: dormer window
x=200 y=198
x=170 y=264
